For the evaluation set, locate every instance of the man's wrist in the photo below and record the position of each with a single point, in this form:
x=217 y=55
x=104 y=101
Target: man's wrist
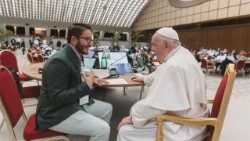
x=90 y=86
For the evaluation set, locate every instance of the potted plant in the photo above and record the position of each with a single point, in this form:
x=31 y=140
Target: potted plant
x=3 y=34
x=135 y=36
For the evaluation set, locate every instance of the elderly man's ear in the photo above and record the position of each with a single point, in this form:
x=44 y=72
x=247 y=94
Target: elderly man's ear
x=167 y=45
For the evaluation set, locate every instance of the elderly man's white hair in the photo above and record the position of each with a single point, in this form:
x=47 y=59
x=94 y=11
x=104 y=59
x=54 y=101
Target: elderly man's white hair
x=170 y=35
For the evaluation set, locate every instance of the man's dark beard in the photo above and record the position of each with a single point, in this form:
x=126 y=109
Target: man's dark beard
x=80 y=48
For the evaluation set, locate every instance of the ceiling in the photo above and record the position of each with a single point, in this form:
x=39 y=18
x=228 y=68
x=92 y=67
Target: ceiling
x=103 y=13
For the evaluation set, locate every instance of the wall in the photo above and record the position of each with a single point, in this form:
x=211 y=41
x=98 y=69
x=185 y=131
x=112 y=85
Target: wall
x=159 y=13
x=229 y=37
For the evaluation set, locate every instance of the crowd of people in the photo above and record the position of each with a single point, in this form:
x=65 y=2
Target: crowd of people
x=220 y=55
x=220 y=58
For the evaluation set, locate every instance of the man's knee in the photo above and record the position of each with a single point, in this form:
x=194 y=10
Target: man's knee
x=103 y=130
x=109 y=107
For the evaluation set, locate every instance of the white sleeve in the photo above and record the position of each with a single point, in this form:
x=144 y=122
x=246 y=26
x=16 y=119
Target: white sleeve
x=141 y=113
x=149 y=79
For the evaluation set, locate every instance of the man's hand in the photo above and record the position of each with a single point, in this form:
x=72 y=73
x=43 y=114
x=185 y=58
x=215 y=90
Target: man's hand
x=100 y=82
x=89 y=78
x=125 y=121
x=137 y=79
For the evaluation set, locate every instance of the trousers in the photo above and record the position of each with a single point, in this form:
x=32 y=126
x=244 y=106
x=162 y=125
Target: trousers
x=93 y=124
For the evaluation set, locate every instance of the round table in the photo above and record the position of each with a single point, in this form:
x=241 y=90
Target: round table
x=32 y=71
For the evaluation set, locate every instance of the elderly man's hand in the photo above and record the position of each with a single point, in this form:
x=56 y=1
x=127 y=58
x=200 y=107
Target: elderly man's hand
x=137 y=79
x=125 y=121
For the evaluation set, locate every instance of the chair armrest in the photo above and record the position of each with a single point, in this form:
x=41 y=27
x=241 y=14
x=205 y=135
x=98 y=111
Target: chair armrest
x=210 y=101
x=187 y=120
x=182 y=120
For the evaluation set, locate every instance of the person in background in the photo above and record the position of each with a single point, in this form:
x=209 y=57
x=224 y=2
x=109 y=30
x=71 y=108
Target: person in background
x=23 y=46
x=18 y=41
x=177 y=86
x=13 y=41
x=6 y=42
x=58 y=44
x=31 y=42
x=44 y=42
x=242 y=55
x=64 y=104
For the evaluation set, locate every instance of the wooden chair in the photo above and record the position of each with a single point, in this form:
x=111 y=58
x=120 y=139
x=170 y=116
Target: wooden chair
x=40 y=58
x=9 y=60
x=207 y=67
x=12 y=110
x=26 y=93
x=214 y=123
x=30 y=58
x=240 y=67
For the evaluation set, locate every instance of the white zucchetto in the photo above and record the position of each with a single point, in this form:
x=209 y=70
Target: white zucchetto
x=168 y=32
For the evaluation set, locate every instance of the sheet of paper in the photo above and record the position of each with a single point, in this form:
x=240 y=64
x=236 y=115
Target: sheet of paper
x=156 y=64
x=101 y=73
x=117 y=81
x=84 y=100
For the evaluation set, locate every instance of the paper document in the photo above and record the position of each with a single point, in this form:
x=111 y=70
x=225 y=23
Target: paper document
x=117 y=81
x=156 y=64
x=101 y=73
x=84 y=100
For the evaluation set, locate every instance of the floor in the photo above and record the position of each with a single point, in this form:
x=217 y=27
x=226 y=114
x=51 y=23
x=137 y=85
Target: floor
x=236 y=125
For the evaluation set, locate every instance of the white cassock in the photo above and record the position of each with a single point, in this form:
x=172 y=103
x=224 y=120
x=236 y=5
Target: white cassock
x=177 y=86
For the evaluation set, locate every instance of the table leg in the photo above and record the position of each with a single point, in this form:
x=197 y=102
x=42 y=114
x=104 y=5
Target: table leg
x=125 y=90
x=142 y=90
x=104 y=93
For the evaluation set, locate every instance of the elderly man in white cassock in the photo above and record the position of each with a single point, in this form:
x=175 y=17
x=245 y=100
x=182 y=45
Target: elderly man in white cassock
x=177 y=86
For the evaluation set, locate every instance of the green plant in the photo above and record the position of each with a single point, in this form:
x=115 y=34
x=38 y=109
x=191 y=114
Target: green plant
x=117 y=36
x=96 y=37
x=136 y=36
x=4 y=33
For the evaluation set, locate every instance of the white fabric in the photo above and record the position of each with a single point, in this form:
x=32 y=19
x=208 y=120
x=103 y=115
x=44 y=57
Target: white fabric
x=183 y=81
x=36 y=42
x=168 y=32
x=180 y=89
x=142 y=113
x=18 y=40
x=44 y=42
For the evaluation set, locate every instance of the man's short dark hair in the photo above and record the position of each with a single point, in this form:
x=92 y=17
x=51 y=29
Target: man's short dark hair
x=76 y=30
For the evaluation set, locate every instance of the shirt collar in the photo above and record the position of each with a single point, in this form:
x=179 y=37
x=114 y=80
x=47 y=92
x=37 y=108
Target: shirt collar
x=77 y=53
x=171 y=53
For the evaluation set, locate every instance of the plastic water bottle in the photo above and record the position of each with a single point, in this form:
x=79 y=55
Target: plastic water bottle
x=104 y=60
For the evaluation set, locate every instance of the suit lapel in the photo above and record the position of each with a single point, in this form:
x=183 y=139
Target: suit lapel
x=73 y=57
